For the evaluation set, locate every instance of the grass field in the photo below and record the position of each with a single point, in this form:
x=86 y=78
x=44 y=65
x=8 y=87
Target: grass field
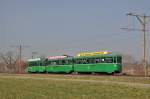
x=27 y=86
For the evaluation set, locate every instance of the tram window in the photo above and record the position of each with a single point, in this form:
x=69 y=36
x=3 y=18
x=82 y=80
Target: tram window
x=53 y=63
x=33 y=63
x=84 y=61
x=61 y=62
x=70 y=62
x=78 y=61
x=102 y=60
x=36 y=63
x=97 y=60
x=29 y=64
x=66 y=62
x=109 y=60
x=91 y=60
x=58 y=62
x=115 y=60
x=41 y=64
x=50 y=63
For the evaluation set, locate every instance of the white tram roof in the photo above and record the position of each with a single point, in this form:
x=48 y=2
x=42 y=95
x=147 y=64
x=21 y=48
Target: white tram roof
x=34 y=59
x=57 y=57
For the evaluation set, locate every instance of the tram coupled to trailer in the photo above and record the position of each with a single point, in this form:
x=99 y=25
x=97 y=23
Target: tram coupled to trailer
x=87 y=62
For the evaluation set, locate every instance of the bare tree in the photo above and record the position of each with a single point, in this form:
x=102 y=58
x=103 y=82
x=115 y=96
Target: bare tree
x=131 y=66
x=129 y=60
x=8 y=62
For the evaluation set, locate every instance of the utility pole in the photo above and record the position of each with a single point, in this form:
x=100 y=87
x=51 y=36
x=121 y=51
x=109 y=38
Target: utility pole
x=143 y=21
x=20 y=47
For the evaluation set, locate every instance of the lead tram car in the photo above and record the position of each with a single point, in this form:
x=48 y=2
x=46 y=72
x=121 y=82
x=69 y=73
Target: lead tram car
x=98 y=64
x=93 y=62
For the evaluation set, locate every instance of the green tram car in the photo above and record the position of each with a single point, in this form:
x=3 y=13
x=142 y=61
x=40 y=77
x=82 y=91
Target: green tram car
x=98 y=64
x=108 y=63
x=59 y=65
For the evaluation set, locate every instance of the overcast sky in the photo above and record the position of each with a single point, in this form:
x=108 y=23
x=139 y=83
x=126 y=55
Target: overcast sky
x=56 y=27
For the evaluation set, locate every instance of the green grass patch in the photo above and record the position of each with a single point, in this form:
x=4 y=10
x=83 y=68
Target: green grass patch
x=132 y=79
x=15 y=88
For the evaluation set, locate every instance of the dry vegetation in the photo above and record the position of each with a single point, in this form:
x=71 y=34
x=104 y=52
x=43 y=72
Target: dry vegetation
x=133 y=67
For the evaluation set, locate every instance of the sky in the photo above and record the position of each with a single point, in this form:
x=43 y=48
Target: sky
x=57 y=27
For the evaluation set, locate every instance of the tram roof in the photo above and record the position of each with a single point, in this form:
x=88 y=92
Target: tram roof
x=105 y=55
x=65 y=58
x=36 y=59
